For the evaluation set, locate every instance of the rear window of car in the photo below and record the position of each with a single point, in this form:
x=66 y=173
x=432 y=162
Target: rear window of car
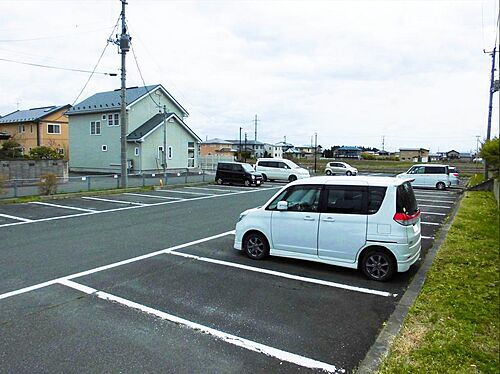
x=376 y=196
x=405 y=199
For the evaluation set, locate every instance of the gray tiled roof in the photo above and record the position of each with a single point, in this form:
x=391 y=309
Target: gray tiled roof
x=146 y=127
x=30 y=114
x=108 y=101
x=249 y=142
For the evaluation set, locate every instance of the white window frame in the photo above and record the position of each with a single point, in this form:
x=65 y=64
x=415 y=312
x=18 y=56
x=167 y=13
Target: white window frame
x=136 y=151
x=160 y=152
x=194 y=154
x=113 y=119
x=104 y=148
x=170 y=153
x=95 y=128
x=21 y=129
x=104 y=117
x=60 y=151
x=55 y=125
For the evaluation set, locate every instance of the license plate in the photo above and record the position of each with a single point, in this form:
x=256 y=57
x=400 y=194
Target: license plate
x=258 y=182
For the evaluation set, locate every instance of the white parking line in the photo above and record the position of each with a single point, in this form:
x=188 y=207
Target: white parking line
x=436 y=193
x=153 y=196
x=209 y=189
x=430 y=223
x=112 y=201
x=16 y=218
x=436 y=206
x=427 y=237
x=62 y=206
x=112 y=265
x=25 y=222
x=188 y=192
x=434 y=213
x=228 y=338
x=438 y=201
x=284 y=275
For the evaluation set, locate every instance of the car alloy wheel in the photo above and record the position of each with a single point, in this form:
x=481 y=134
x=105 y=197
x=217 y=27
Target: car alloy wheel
x=248 y=183
x=292 y=178
x=220 y=181
x=440 y=186
x=378 y=265
x=255 y=246
x=349 y=173
x=328 y=172
x=264 y=177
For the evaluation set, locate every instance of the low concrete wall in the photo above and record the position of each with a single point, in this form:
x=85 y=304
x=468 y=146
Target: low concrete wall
x=32 y=169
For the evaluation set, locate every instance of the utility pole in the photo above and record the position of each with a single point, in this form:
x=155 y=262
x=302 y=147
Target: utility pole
x=124 y=43
x=164 y=145
x=383 y=142
x=477 y=144
x=315 y=150
x=490 y=107
x=255 y=121
x=239 y=153
x=245 y=146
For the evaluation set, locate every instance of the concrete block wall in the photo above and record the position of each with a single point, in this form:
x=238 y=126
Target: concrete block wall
x=33 y=169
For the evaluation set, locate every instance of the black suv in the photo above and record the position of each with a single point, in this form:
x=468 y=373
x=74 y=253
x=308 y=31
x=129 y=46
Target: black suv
x=237 y=172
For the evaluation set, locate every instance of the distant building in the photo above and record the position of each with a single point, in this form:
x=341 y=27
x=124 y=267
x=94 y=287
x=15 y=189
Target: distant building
x=414 y=154
x=466 y=156
x=273 y=150
x=254 y=147
x=217 y=147
x=347 y=152
x=284 y=146
x=44 y=126
x=452 y=155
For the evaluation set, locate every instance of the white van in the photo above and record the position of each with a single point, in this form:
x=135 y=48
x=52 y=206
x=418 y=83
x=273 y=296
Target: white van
x=425 y=175
x=367 y=223
x=280 y=169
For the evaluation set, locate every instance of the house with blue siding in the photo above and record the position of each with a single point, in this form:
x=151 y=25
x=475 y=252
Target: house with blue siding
x=95 y=132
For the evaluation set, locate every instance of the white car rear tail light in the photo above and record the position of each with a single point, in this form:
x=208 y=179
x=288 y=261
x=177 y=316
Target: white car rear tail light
x=407 y=219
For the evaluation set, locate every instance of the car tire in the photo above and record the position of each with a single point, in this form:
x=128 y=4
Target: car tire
x=440 y=186
x=255 y=246
x=264 y=177
x=292 y=178
x=328 y=172
x=247 y=183
x=348 y=173
x=220 y=181
x=378 y=265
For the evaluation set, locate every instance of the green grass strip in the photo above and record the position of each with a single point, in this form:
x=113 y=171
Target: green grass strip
x=453 y=325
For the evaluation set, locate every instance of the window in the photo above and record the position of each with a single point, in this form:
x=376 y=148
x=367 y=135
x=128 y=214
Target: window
x=435 y=170
x=31 y=128
x=60 y=151
x=103 y=117
x=282 y=165
x=236 y=167
x=405 y=199
x=299 y=199
x=190 y=161
x=375 y=198
x=95 y=128
x=170 y=153
x=104 y=148
x=136 y=151
x=160 y=152
x=21 y=128
x=346 y=199
x=114 y=119
x=53 y=128
x=418 y=170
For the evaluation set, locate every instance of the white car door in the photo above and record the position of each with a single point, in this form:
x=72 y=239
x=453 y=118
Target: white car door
x=273 y=170
x=296 y=230
x=342 y=227
x=418 y=173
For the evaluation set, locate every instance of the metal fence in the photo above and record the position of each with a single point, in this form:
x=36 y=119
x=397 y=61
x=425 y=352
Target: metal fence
x=79 y=182
x=209 y=162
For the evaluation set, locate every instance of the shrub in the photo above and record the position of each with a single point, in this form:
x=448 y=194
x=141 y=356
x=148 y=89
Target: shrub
x=490 y=152
x=11 y=149
x=368 y=156
x=44 y=153
x=48 y=184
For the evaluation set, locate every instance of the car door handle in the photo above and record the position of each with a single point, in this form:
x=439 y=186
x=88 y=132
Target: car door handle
x=308 y=218
x=329 y=219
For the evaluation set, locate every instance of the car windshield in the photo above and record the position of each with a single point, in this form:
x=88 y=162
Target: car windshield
x=247 y=167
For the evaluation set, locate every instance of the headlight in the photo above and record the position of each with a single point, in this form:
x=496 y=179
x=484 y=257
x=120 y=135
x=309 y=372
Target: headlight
x=253 y=176
x=242 y=215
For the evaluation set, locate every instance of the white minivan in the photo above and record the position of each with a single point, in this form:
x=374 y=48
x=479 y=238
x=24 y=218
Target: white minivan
x=367 y=223
x=436 y=176
x=280 y=169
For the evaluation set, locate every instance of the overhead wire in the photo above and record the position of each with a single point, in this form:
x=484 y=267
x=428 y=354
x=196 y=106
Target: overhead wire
x=142 y=78
x=54 y=67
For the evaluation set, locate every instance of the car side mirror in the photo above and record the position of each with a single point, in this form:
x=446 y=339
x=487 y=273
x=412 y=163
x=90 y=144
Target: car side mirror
x=282 y=205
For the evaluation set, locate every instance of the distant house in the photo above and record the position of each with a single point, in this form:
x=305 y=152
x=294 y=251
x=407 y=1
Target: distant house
x=254 y=147
x=44 y=126
x=273 y=150
x=95 y=132
x=347 y=152
x=292 y=153
x=284 y=146
x=217 y=147
x=452 y=155
x=466 y=156
x=414 y=154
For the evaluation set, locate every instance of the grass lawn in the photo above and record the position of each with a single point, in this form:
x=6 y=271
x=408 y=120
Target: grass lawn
x=476 y=179
x=453 y=325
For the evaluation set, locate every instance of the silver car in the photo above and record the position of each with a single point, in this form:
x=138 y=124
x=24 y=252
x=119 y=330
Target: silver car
x=340 y=168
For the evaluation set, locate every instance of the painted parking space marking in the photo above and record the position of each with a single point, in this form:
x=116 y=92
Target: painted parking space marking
x=187 y=192
x=436 y=206
x=112 y=265
x=427 y=237
x=228 y=338
x=284 y=275
x=208 y=189
x=25 y=221
x=434 y=213
x=15 y=218
x=113 y=201
x=153 y=196
x=62 y=206
x=438 y=201
x=430 y=223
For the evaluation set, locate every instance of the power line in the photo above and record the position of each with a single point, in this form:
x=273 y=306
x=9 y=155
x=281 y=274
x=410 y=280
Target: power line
x=55 y=67
x=142 y=78
x=50 y=37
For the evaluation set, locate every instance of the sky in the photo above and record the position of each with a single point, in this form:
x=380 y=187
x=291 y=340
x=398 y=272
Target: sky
x=353 y=72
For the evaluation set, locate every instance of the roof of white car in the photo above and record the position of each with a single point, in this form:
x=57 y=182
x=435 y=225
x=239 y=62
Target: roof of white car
x=353 y=181
x=430 y=165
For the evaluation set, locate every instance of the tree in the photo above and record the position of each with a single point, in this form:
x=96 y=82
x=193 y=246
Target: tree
x=490 y=152
x=44 y=153
x=11 y=149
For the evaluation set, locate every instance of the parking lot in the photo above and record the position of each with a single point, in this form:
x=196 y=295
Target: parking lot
x=149 y=281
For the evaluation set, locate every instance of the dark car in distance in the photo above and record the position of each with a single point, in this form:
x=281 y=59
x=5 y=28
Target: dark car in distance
x=237 y=173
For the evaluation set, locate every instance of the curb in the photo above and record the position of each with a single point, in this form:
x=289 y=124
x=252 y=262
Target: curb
x=380 y=348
